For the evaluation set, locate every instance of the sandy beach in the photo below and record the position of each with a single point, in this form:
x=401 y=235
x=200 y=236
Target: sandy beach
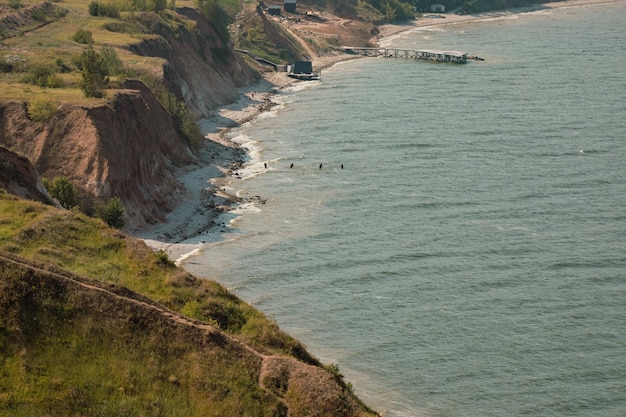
x=205 y=212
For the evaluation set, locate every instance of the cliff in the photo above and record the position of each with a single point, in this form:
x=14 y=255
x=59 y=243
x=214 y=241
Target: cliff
x=93 y=322
x=200 y=67
x=128 y=148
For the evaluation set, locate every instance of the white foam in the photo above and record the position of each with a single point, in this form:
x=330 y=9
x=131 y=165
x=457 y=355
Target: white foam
x=186 y=256
x=302 y=86
x=246 y=208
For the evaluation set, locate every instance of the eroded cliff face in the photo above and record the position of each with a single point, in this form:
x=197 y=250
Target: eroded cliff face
x=201 y=68
x=128 y=148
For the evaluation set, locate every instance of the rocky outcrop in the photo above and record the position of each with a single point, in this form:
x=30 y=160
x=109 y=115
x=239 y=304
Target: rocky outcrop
x=128 y=148
x=19 y=177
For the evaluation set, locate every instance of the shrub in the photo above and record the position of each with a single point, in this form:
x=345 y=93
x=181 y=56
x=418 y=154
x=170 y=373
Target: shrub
x=104 y=9
x=94 y=73
x=5 y=66
x=62 y=66
x=121 y=27
x=93 y=8
x=212 y=11
x=37 y=75
x=41 y=109
x=183 y=119
x=83 y=36
x=15 y=4
x=111 y=61
x=54 y=81
x=109 y=10
x=163 y=259
x=157 y=5
x=112 y=213
x=43 y=76
x=63 y=191
x=139 y=5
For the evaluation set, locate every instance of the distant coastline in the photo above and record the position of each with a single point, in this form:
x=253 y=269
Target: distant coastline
x=388 y=31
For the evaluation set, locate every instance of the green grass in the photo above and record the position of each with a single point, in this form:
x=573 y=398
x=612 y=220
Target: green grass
x=87 y=247
x=59 y=358
x=70 y=361
x=47 y=45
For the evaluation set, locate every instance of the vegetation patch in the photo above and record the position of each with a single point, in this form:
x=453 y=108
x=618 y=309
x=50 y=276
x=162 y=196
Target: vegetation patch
x=87 y=247
x=67 y=350
x=42 y=109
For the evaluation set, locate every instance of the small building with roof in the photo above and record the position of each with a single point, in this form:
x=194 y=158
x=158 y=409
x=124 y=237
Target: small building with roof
x=437 y=8
x=274 y=9
x=302 y=70
x=290 y=6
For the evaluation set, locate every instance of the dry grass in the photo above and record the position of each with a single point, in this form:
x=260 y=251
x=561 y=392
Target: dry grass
x=53 y=44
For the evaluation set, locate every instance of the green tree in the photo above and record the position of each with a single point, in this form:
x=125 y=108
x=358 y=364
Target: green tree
x=112 y=213
x=63 y=191
x=113 y=64
x=94 y=72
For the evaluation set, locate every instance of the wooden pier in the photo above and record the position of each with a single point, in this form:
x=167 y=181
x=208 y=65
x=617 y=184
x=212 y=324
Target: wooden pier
x=436 y=56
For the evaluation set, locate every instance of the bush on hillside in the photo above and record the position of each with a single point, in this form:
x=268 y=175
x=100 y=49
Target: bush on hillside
x=121 y=27
x=62 y=190
x=112 y=213
x=111 y=61
x=156 y=5
x=212 y=11
x=83 y=36
x=104 y=9
x=94 y=73
x=42 y=76
x=183 y=119
x=393 y=10
x=41 y=109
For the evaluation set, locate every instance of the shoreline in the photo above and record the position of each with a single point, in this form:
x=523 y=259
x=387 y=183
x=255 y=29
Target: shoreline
x=203 y=216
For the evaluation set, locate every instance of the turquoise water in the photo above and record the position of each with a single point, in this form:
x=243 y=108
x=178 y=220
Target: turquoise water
x=469 y=259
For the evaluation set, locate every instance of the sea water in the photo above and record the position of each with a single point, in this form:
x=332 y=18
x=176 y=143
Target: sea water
x=452 y=236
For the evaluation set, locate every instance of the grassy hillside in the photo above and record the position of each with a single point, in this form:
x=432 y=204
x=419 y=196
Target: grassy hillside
x=139 y=336
x=53 y=38
x=86 y=247
x=66 y=352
